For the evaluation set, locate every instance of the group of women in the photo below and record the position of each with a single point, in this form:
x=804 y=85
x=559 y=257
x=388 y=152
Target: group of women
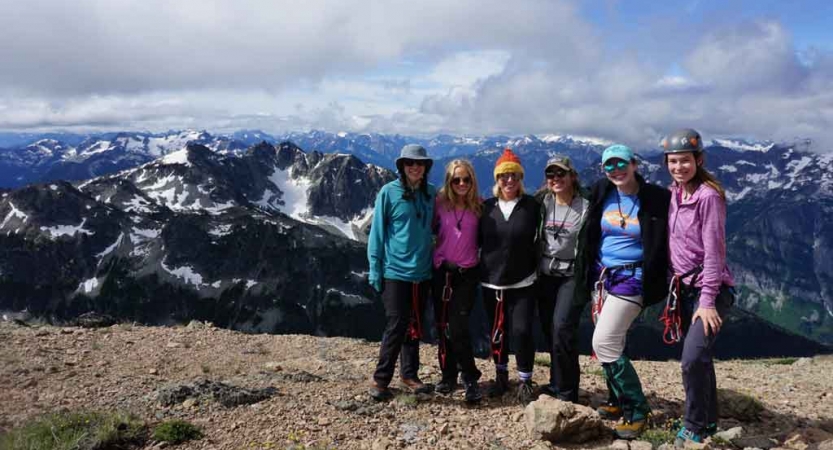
x=621 y=246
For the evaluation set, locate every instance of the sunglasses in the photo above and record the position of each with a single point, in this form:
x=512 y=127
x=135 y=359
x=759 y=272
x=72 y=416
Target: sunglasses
x=611 y=166
x=509 y=176
x=413 y=162
x=560 y=173
x=457 y=180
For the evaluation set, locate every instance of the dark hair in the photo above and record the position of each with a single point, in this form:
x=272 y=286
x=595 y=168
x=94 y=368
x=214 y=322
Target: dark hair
x=423 y=185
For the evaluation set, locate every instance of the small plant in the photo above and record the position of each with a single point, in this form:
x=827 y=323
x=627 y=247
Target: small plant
x=176 y=431
x=771 y=361
x=658 y=436
x=76 y=431
x=597 y=372
x=407 y=400
x=206 y=369
x=542 y=360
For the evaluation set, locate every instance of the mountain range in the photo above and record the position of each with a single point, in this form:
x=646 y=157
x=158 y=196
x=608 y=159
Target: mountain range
x=154 y=224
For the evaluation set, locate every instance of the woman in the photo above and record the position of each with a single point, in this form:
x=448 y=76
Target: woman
x=399 y=255
x=623 y=262
x=456 y=217
x=509 y=257
x=702 y=282
x=564 y=211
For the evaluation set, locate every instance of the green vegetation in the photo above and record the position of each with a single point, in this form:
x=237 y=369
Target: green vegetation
x=596 y=371
x=770 y=361
x=409 y=400
x=76 y=431
x=176 y=431
x=790 y=316
x=658 y=436
x=542 y=360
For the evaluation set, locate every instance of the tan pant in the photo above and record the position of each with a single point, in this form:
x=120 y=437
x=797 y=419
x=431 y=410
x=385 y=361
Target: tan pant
x=618 y=313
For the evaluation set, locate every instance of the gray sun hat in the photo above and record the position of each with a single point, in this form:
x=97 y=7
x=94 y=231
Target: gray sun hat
x=415 y=152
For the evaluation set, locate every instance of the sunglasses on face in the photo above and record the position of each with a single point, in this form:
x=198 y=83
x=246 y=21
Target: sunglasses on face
x=413 y=162
x=509 y=176
x=614 y=165
x=559 y=173
x=457 y=180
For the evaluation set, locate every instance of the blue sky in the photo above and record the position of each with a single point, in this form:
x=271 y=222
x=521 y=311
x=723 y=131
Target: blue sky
x=621 y=70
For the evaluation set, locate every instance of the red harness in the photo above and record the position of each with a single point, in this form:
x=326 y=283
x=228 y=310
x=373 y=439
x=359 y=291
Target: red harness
x=497 y=326
x=671 y=315
x=443 y=322
x=415 y=327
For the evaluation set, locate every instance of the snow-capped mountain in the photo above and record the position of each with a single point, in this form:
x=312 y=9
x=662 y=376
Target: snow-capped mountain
x=154 y=242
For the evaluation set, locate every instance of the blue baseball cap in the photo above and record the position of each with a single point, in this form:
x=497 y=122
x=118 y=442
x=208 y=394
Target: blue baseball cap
x=617 y=151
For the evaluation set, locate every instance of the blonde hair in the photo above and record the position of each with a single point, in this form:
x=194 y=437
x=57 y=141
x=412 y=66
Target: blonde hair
x=521 y=191
x=447 y=194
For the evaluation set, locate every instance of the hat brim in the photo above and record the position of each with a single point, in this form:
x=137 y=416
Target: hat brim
x=415 y=158
x=559 y=165
x=622 y=157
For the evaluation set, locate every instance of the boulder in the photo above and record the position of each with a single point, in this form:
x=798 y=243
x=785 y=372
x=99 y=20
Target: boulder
x=559 y=421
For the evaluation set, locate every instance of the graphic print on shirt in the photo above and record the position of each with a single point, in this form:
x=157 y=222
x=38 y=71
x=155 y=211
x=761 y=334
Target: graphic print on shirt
x=611 y=220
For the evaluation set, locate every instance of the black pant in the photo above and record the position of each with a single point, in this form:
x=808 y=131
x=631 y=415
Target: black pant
x=697 y=360
x=398 y=296
x=519 y=314
x=559 y=322
x=457 y=338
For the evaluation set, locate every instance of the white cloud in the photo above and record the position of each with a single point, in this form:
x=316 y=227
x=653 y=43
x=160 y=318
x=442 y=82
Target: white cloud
x=469 y=66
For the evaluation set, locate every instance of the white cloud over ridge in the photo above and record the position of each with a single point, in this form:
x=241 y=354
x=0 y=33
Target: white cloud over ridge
x=472 y=67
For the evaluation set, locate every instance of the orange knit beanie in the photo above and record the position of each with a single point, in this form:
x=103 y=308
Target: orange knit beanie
x=508 y=163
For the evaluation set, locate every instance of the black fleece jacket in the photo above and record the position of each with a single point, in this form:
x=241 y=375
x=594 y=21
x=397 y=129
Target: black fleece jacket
x=509 y=248
x=653 y=222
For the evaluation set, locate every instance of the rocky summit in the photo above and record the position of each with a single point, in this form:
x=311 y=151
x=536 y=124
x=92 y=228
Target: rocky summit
x=264 y=391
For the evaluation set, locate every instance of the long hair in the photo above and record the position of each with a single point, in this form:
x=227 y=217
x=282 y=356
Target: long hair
x=703 y=176
x=447 y=194
x=423 y=184
x=521 y=191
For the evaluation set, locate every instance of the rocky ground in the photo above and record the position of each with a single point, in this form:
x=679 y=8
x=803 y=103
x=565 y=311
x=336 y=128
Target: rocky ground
x=319 y=397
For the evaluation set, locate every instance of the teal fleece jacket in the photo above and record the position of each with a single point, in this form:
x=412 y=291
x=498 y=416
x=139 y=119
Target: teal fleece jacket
x=400 y=242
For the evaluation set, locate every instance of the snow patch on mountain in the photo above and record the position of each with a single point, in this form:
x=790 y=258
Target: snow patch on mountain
x=88 y=286
x=112 y=247
x=349 y=299
x=186 y=273
x=743 y=146
x=728 y=168
x=67 y=230
x=14 y=213
x=177 y=157
x=295 y=195
x=733 y=197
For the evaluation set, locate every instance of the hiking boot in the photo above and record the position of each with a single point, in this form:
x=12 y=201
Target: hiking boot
x=379 y=393
x=711 y=429
x=418 y=387
x=525 y=392
x=499 y=386
x=446 y=386
x=686 y=435
x=630 y=429
x=550 y=390
x=609 y=411
x=473 y=394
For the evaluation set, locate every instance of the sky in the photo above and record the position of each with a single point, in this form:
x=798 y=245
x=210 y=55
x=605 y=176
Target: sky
x=627 y=71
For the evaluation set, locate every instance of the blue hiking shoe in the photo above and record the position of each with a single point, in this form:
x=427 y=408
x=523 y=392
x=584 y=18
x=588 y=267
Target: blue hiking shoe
x=686 y=435
x=711 y=429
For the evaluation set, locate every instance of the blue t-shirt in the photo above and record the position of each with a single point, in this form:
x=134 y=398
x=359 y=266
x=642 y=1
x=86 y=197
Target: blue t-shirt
x=621 y=238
